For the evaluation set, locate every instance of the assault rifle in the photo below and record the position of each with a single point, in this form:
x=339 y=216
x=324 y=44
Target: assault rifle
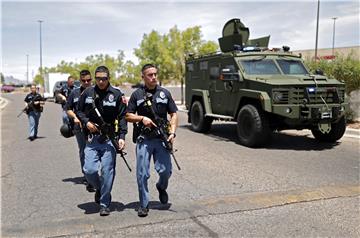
x=161 y=128
x=107 y=131
x=30 y=104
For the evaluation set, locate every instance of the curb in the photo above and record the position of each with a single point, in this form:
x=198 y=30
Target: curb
x=354 y=133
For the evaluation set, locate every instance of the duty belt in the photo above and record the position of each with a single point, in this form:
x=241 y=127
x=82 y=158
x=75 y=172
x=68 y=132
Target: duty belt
x=148 y=133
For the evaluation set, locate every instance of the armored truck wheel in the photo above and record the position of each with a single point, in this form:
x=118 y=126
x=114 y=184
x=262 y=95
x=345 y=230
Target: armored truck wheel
x=252 y=126
x=199 y=122
x=336 y=132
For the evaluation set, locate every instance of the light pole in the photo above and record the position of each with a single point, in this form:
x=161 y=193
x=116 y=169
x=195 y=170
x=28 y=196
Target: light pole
x=41 y=73
x=333 y=45
x=317 y=30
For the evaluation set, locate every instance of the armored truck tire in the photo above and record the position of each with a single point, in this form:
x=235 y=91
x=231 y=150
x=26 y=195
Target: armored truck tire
x=199 y=122
x=252 y=126
x=336 y=132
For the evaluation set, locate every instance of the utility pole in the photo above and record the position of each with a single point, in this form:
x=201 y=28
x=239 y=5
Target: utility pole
x=333 y=43
x=41 y=70
x=317 y=30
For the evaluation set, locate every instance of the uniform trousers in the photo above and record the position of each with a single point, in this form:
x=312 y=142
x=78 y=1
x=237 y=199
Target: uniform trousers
x=81 y=141
x=34 y=118
x=100 y=157
x=145 y=148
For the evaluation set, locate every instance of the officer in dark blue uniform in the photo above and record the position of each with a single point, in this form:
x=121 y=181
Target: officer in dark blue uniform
x=71 y=109
x=110 y=103
x=63 y=95
x=149 y=143
x=33 y=106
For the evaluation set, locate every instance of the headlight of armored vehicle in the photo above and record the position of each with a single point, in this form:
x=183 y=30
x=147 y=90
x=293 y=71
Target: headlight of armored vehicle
x=280 y=95
x=277 y=96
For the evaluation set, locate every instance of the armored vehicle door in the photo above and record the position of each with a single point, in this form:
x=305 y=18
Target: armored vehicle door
x=224 y=82
x=216 y=87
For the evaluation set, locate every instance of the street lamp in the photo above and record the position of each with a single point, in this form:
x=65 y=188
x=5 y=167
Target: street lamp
x=40 y=21
x=333 y=43
x=317 y=30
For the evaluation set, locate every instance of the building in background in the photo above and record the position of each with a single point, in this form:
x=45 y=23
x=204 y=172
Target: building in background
x=326 y=53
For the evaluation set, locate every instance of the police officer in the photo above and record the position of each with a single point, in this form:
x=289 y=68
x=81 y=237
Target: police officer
x=149 y=144
x=34 y=106
x=99 y=150
x=72 y=108
x=63 y=95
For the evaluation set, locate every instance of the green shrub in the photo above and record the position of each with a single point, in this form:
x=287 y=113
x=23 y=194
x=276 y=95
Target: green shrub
x=344 y=68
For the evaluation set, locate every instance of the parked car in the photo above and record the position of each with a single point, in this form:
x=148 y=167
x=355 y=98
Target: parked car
x=7 y=88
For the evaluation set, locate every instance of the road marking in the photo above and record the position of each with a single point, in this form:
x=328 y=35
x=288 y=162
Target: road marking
x=3 y=103
x=251 y=201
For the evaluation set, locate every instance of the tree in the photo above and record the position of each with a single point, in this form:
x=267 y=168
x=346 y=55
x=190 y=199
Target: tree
x=2 y=78
x=168 y=51
x=39 y=79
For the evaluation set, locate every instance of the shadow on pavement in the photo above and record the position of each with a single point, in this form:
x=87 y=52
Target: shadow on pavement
x=75 y=180
x=155 y=205
x=228 y=133
x=92 y=207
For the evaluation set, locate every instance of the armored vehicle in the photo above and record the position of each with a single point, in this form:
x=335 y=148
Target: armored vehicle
x=262 y=89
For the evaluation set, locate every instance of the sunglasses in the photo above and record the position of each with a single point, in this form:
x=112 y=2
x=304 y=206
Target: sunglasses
x=86 y=80
x=101 y=78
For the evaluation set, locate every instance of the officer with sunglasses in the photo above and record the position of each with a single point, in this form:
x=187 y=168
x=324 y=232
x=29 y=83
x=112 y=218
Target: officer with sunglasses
x=110 y=103
x=72 y=109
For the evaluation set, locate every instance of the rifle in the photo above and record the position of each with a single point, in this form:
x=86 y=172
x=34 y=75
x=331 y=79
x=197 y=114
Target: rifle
x=30 y=105
x=107 y=131
x=161 y=128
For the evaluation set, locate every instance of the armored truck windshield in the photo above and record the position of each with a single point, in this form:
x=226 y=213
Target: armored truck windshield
x=291 y=66
x=264 y=66
x=259 y=66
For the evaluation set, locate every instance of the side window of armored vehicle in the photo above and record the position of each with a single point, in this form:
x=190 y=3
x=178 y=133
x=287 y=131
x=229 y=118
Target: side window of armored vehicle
x=292 y=66
x=214 y=72
x=204 y=70
x=231 y=67
x=190 y=67
x=203 y=65
x=262 y=66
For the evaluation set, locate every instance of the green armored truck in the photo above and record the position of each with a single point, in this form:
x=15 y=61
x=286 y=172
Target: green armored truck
x=262 y=90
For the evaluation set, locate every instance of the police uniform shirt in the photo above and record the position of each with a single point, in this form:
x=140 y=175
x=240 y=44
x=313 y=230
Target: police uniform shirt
x=110 y=103
x=162 y=101
x=31 y=97
x=73 y=99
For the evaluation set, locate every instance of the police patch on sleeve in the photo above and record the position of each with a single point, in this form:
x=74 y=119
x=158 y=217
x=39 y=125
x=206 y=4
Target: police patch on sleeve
x=162 y=95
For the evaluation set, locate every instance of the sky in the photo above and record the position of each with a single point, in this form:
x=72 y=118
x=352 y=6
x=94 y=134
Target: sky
x=73 y=30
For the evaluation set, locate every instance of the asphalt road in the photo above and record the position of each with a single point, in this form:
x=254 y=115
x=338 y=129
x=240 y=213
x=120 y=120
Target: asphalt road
x=294 y=186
